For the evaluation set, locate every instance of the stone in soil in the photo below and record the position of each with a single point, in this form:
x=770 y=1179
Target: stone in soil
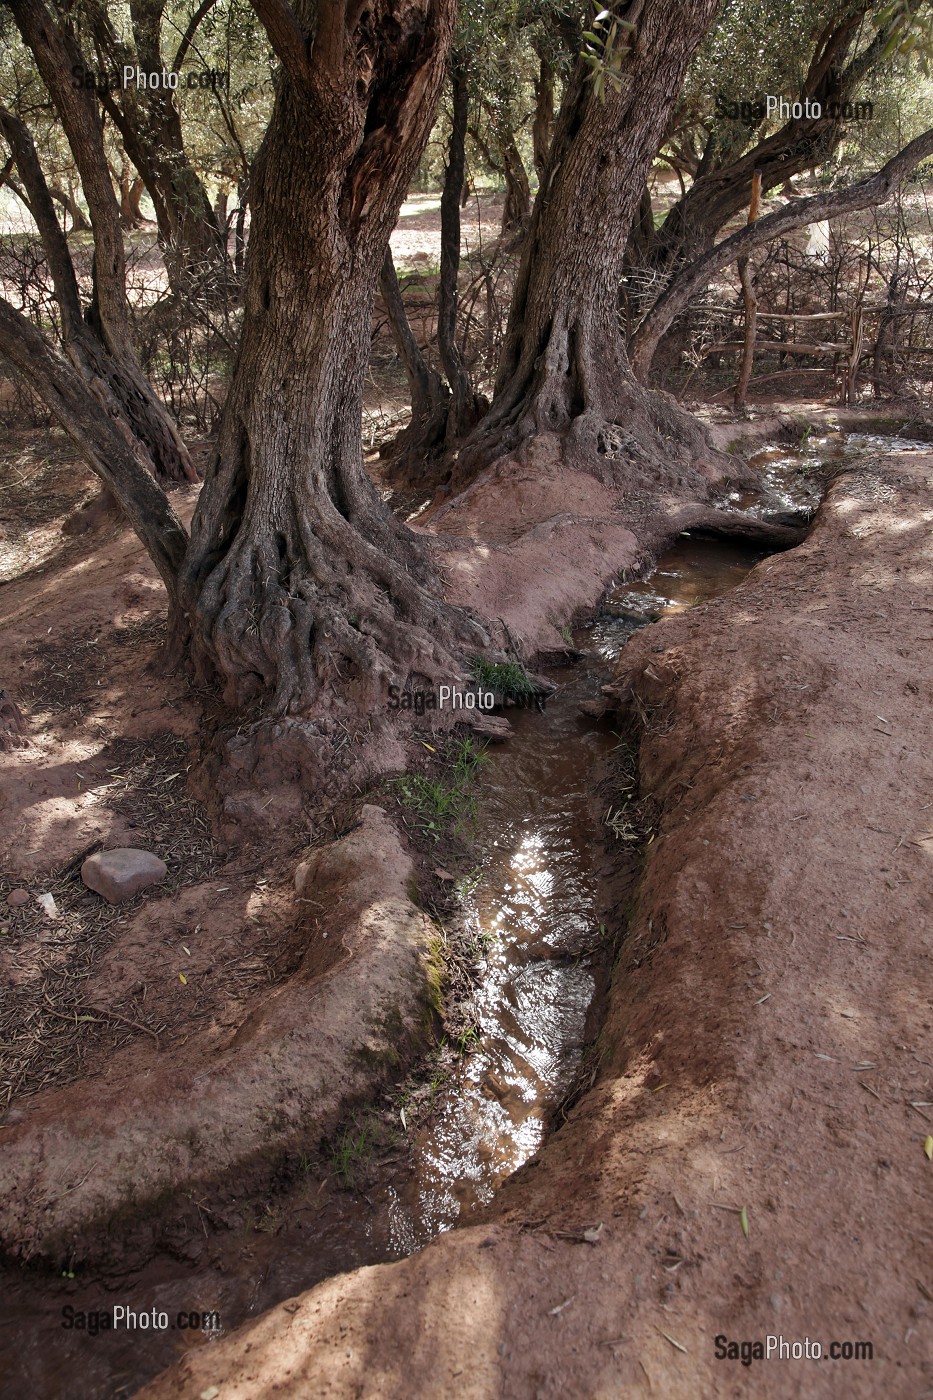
x=17 y=898
x=120 y=874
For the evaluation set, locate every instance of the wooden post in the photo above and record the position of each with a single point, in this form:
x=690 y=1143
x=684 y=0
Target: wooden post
x=751 y=303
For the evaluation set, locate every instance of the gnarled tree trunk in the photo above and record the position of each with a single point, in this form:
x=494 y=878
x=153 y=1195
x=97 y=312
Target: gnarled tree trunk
x=563 y=367
x=302 y=591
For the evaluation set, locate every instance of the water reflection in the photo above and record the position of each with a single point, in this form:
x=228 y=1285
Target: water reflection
x=535 y=915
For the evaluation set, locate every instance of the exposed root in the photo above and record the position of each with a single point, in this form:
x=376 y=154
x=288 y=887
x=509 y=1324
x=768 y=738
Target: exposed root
x=317 y=618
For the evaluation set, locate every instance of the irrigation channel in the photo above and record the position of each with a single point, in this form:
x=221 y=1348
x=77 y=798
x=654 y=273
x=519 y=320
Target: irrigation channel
x=535 y=911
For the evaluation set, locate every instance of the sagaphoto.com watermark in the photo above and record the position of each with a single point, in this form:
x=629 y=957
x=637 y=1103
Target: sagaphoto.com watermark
x=121 y=1318
x=144 y=80
x=770 y=1348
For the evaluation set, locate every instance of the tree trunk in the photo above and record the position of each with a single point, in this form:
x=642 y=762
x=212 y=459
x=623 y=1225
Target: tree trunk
x=543 y=123
x=137 y=190
x=239 y=228
x=563 y=367
x=126 y=210
x=417 y=446
x=304 y=593
x=516 y=212
x=464 y=409
x=112 y=353
x=69 y=202
x=150 y=129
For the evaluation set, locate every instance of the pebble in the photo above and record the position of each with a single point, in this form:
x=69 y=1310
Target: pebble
x=120 y=874
x=17 y=898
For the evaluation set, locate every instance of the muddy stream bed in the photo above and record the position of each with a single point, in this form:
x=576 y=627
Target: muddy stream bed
x=535 y=917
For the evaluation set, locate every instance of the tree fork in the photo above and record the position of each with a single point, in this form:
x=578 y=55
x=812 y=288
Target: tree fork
x=876 y=189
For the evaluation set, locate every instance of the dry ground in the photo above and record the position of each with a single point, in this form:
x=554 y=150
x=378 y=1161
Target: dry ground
x=767 y=1046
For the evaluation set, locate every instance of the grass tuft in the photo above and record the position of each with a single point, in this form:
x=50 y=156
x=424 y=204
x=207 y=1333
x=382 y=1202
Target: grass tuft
x=445 y=802
x=506 y=678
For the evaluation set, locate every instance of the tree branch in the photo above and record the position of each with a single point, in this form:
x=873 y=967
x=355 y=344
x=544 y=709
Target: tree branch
x=188 y=36
x=43 y=211
x=874 y=190
x=56 y=52
x=102 y=442
x=289 y=43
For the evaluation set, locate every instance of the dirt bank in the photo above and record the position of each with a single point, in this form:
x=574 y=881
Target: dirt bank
x=767 y=1045
x=277 y=1078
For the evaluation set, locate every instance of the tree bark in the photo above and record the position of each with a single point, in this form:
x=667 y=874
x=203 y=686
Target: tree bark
x=563 y=365
x=149 y=124
x=418 y=444
x=874 y=190
x=304 y=594
x=516 y=212
x=543 y=122
x=463 y=409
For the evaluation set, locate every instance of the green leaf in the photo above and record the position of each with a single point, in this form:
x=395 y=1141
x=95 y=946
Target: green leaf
x=743 y=1221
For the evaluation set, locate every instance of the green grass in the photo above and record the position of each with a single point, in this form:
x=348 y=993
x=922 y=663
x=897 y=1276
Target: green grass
x=507 y=678
x=351 y=1152
x=443 y=803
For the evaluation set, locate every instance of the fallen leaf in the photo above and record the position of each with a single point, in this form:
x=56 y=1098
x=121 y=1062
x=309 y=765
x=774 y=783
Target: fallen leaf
x=48 y=906
x=743 y=1221
x=182 y=978
x=443 y=874
x=401 y=1114
x=928 y=1148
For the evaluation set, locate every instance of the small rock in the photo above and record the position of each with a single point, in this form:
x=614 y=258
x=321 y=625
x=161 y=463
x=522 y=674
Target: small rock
x=17 y=898
x=120 y=874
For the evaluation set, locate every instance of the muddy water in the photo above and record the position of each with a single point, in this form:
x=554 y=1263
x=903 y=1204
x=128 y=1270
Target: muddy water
x=535 y=915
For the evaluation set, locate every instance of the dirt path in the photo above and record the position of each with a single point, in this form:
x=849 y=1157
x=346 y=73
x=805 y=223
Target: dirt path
x=768 y=1043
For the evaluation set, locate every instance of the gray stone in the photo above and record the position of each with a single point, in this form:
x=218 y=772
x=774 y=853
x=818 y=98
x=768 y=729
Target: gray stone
x=119 y=874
